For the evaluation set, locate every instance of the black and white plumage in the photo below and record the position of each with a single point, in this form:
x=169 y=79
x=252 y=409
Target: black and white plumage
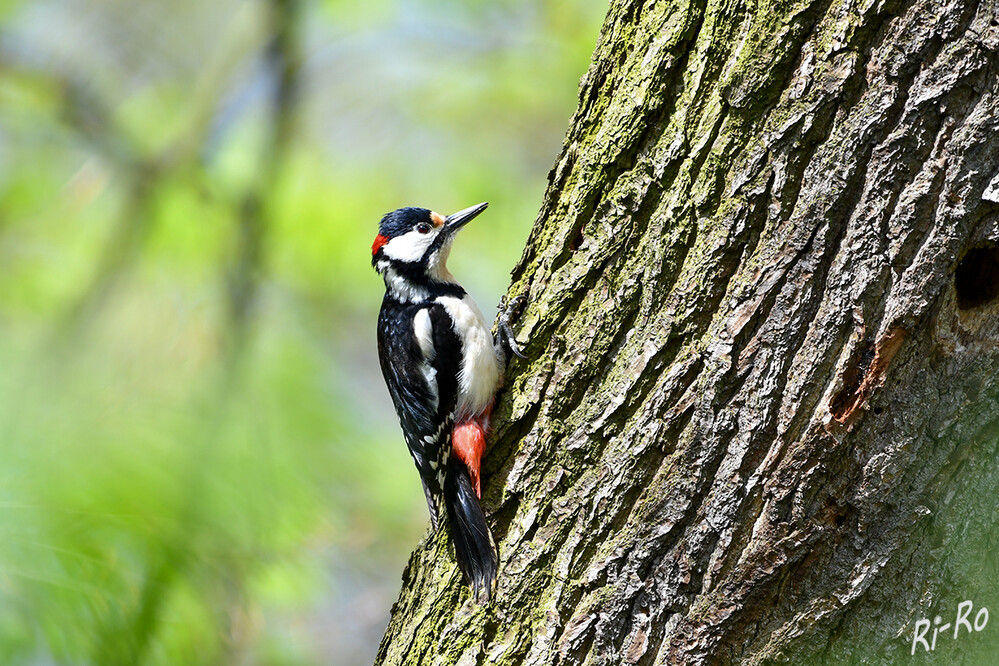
x=442 y=368
x=423 y=387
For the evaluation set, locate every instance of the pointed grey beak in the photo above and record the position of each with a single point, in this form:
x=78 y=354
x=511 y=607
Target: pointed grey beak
x=457 y=220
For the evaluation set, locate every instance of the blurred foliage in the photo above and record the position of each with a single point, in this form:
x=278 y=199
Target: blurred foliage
x=199 y=462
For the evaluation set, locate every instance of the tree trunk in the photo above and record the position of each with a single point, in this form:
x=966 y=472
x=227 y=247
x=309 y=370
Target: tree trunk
x=760 y=415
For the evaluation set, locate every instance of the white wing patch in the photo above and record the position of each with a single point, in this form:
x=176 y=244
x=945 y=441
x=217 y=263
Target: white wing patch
x=424 y=331
x=479 y=375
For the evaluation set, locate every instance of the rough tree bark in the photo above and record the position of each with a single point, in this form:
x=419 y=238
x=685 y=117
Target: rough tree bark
x=760 y=415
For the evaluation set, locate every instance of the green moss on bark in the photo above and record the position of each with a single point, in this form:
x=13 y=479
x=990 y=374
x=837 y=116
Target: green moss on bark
x=751 y=198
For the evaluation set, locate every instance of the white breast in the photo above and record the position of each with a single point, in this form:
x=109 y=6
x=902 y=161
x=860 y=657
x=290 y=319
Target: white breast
x=479 y=375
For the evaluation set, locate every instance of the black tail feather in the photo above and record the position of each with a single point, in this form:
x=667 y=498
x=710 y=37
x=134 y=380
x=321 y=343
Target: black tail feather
x=473 y=543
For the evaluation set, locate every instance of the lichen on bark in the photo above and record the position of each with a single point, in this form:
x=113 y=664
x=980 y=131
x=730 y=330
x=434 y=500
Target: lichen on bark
x=755 y=424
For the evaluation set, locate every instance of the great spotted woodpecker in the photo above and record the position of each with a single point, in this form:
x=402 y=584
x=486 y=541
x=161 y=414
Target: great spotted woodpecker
x=443 y=369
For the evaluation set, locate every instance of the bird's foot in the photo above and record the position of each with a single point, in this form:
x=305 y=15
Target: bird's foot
x=509 y=312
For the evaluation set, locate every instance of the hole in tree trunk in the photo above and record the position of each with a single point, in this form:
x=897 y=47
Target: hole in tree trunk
x=977 y=277
x=577 y=239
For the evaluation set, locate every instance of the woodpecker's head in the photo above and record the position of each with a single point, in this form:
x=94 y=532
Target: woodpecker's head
x=413 y=244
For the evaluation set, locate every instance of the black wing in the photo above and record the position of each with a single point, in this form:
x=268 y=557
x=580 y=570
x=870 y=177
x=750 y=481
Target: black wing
x=423 y=390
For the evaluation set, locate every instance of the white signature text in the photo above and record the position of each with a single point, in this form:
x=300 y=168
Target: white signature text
x=962 y=620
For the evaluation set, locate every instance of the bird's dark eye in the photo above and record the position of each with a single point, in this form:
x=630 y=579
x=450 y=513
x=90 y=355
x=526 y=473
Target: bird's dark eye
x=423 y=228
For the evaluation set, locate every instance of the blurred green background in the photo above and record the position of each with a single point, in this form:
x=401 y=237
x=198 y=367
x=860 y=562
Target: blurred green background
x=199 y=463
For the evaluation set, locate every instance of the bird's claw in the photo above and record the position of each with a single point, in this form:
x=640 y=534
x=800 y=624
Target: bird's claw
x=508 y=313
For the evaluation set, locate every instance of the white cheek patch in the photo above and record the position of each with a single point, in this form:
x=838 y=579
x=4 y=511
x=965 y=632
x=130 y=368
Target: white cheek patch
x=408 y=247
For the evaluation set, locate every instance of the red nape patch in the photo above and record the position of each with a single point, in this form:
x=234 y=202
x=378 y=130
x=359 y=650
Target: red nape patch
x=377 y=245
x=468 y=440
